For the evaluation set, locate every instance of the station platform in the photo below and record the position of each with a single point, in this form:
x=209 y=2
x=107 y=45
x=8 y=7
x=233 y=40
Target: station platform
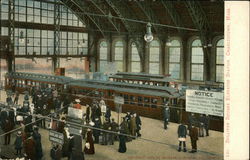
x=156 y=143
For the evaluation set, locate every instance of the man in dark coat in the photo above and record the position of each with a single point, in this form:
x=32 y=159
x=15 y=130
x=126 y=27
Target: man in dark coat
x=87 y=113
x=71 y=145
x=138 y=124
x=108 y=114
x=3 y=117
x=97 y=133
x=206 y=124
x=9 y=100
x=182 y=133
x=12 y=115
x=166 y=115
x=38 y=144
x=56 y=152
x=106 y=127
x=191 y=121
x=44 y=112
x=201 y=125
x=194 y=137
x=8 y=126
x=122 y=143
x=76 y=155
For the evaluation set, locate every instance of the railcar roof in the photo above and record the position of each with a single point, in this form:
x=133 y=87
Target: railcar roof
x=139 y=74
x=162 y=91
x=40 y=77
x=134 y=77
x=125 y=89
x=130 y=85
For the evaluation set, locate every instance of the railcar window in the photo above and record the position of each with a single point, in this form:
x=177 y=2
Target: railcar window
x=154 y=102
x=132 y=99
x=140 y=101
x=146 y=101
x=101 y=94
x=126 y=100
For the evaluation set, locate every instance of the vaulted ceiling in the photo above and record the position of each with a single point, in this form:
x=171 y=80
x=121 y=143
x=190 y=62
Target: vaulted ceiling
x=167 y=17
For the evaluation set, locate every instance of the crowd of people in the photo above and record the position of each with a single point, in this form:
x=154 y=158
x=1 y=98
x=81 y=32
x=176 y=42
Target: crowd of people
x=98 y=124
x=41 y=104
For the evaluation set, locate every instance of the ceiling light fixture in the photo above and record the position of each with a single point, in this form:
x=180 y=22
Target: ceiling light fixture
x=148 y=37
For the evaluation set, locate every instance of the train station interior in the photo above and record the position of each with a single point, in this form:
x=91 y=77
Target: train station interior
x=111 y=79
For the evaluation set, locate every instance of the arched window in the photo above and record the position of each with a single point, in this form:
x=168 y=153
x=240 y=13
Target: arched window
x=220 y=61
x=103 y=54
x=197 y=61
x=119 y=56
x=174 y=59
x=135 y=59
x=154 y=57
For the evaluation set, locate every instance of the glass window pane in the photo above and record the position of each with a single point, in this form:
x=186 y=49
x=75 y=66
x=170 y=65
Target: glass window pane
x=154 y=68
x=174 y=71
x=135 y=67
x=197 y=72
x=220 y=73
x=174 y=54
x=103 y=51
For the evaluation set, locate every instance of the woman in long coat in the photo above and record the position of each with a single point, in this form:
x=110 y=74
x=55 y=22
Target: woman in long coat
x=122 y=143
x=89 y=147
x=30 y=148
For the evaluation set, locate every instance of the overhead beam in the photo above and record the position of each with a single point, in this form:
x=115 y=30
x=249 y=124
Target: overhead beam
x=148 y=11
x=102 y=11
x=175 y=16
x=79 y=4
x=200 y=21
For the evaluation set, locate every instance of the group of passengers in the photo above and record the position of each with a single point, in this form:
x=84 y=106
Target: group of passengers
x=40 y=103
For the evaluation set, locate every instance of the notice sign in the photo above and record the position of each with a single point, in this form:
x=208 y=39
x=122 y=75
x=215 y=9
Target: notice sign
x=205 y=102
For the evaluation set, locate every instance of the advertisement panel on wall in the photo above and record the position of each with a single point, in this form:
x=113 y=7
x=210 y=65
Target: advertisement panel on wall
x=205 y=102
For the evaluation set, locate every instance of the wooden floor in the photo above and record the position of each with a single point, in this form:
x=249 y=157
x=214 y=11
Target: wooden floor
x=155 y=144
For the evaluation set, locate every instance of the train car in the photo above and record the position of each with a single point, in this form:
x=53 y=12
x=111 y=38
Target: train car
x=142 y=100
x=146 y=100
x=24 y=81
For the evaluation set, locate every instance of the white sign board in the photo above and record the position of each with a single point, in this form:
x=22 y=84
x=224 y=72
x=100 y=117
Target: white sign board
x=205 y=102
x=56 y=137
x=75 y=113
x=119 y=100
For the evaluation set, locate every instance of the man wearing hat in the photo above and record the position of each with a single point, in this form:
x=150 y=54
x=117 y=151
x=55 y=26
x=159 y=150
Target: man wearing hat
x=166 y=114
x=194 y=138
x=77 y=105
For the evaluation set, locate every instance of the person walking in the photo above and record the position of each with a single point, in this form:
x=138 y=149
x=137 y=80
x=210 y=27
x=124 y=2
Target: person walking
x=138 y=124
x=194 y=138
x=166 y=115
x=182 y=133
x=206 y=124
x=122 y=143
